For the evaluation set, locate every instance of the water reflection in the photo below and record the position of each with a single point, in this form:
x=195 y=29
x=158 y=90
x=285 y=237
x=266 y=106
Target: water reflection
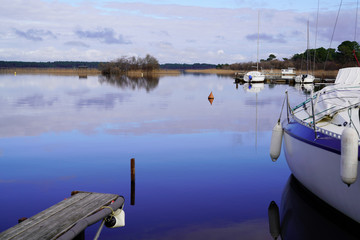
x=305 y=216
x=254 y=87
x=122 y=81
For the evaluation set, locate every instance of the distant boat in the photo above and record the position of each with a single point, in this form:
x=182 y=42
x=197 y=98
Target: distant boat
x=288 y=73
x=306 y=78
x=255 y=76
x=321 y=138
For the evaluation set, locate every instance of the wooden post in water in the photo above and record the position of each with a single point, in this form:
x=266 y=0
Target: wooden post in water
x=132 y=170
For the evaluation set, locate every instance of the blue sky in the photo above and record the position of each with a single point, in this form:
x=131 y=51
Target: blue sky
x=172 y=31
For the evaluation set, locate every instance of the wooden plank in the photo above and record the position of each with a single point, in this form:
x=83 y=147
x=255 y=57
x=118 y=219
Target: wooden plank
x=23 y=226
x=60 y=217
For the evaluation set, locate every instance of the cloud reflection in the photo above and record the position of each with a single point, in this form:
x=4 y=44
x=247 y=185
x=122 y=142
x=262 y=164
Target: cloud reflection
x=174 y=105
x=36 y=101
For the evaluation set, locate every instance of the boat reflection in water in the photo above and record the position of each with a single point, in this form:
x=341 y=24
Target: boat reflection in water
x=254 y=87
x=304 y=216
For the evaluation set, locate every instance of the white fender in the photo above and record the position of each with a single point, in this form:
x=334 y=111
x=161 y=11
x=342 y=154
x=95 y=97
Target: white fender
x=349 y=155
x=276 y=140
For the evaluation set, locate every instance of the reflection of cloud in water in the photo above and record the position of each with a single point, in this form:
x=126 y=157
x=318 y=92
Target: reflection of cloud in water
x=264 y=101
x=250 y=230
x=178 y=105
x=107 y=101
x=36 y=101
x=38 y=181
x=77 y=92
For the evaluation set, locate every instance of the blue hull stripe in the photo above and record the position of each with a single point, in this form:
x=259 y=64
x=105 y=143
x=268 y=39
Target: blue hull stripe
x=307 y=135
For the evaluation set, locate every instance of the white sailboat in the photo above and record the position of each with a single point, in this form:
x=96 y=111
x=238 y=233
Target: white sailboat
x=306 y=78
x=255 y=76
x=321 y=142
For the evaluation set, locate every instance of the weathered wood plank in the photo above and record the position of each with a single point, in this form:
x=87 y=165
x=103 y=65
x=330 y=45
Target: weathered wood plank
x=23 y=226
x=60 y=217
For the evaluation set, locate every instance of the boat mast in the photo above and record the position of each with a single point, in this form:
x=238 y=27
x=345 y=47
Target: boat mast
x=307 y=49
x=257 y=55
x=317 y=20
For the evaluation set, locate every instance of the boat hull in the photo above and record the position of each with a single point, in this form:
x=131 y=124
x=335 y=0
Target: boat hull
x=316 y=164
x=254 y=76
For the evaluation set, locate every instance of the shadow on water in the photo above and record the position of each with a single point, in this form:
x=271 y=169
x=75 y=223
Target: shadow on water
x=122 y=81
x=304 y=216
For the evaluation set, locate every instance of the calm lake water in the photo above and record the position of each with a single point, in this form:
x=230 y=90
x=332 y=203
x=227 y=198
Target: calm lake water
x=202 y=171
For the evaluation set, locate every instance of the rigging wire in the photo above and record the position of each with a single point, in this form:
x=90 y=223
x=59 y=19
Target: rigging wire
x=356 y=19
x=332 y=37
x=355 y=43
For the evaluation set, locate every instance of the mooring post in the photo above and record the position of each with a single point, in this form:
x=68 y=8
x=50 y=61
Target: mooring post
x=132 y=199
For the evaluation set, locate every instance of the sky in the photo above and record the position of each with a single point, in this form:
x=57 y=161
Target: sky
x=173 y=31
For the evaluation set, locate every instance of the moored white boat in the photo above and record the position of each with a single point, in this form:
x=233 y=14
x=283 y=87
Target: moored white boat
x=254 y=76
x=304 y=78
x=288 y=73
x=321 y=142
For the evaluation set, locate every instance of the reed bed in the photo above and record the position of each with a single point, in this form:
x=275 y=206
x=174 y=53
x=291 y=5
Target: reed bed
x=212 y=71
x=51 y=71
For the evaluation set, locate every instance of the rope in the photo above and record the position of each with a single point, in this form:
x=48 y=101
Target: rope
x=112 y=211
x=282 y=109
x=332 y=37
x=103 y=222
x=99 y=230
x=351 y=121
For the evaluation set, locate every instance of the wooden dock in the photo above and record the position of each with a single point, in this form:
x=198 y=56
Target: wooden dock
x=61 y=217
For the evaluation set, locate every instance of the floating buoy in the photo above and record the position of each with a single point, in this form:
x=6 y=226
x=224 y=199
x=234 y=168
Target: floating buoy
x=276 y=140
x=211 y=96
x=274 y=220
x=211 y=100
x=349 y=155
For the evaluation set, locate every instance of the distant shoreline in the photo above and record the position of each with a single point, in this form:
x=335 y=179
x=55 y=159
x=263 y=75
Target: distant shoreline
x=81 y=71
x=94 y=71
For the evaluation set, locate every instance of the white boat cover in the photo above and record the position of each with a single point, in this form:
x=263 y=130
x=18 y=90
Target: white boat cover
x=349 y=75
x=333 y=99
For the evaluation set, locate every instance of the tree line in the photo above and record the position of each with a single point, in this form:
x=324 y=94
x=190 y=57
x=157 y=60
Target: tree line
x=319 y=58
x=126 y=64
x=185 y=66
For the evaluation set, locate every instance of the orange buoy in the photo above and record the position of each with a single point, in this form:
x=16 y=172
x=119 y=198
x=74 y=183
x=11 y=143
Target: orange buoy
x=211 y=96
